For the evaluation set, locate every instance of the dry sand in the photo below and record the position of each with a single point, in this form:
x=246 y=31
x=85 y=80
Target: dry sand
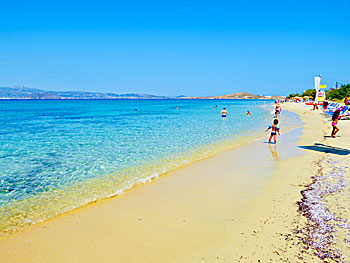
x=238 y=206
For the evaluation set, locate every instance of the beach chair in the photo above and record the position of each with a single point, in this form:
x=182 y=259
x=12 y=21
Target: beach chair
x=332 y=105
x=332 y=109
x=345 y=110
x=335 y=106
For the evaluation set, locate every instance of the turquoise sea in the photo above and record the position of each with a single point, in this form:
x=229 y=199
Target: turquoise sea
x=57 y=155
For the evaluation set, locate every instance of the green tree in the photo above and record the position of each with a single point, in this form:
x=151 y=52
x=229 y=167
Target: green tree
x=339 y=94
x=292 y=95
x=311 y=93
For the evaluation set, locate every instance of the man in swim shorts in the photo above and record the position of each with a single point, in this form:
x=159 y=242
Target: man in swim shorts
x=224 y=113
x=278 y=110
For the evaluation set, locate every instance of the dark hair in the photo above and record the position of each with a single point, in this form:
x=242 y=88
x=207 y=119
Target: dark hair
x=275 y=121
x=224 y=108
x=335 y=115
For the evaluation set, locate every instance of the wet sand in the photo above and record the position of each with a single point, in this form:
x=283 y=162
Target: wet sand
x=238 y=206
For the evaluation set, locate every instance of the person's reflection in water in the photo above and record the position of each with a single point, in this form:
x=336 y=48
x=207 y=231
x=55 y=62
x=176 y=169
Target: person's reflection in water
x=274 y=152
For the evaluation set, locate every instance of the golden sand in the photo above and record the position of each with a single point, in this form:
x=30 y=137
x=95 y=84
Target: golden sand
x=217 y=210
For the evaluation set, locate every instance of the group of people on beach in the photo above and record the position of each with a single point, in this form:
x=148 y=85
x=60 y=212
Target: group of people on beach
x=336 y=116
x=275 y=129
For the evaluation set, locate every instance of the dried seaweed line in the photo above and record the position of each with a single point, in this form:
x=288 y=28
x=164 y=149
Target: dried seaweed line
x=319 y=232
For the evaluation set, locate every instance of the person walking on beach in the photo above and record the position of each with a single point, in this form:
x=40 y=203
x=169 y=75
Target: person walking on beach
x=274 y=130
x=335 y=118
x=325 y=104
x=278 y=110
x=346 y=101
x=224 y=113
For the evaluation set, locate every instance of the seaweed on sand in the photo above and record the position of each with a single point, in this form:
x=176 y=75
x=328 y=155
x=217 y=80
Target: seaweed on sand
x=319 y=232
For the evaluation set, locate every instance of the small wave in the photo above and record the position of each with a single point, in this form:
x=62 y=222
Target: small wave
x=58 y=200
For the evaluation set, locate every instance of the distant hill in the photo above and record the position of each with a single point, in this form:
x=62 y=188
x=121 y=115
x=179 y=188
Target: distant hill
x=38 y=94
x=29 y=93
x=239 y=95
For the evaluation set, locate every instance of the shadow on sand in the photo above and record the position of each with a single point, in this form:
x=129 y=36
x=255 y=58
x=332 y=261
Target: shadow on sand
x=320 y=147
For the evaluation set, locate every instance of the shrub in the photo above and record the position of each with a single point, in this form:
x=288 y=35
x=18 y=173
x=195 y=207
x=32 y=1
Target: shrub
x=339 y=94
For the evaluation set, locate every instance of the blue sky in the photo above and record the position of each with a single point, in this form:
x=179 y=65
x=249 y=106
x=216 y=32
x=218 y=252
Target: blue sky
x=174 y=47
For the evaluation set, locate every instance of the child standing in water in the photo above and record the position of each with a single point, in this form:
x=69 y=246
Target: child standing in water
x=274 y=130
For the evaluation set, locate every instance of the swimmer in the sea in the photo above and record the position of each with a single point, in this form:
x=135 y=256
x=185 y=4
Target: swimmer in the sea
x=274 y=130
x=248 y=113
x=224 y=112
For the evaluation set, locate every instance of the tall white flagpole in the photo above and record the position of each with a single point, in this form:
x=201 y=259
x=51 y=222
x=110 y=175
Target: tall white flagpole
x=317 y=86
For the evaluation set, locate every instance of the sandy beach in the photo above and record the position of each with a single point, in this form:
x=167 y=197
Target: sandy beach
x=241 y=205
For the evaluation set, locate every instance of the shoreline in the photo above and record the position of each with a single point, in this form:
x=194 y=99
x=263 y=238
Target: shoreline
x=204 y=230
x=98 y=185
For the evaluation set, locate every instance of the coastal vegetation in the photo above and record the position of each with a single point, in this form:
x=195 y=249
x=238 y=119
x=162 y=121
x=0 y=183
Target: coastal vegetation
x=339 y=94
x=335 y=94
x=311 y=93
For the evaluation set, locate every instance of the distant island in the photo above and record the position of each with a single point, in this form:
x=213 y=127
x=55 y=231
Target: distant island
x=239 y=95
x=24 y=93
x=19 y=92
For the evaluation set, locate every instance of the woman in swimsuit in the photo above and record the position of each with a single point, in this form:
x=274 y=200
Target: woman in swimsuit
x=335 y=118
x=274 y=130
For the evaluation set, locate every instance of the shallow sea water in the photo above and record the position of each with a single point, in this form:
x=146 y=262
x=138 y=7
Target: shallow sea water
x=57 y=155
